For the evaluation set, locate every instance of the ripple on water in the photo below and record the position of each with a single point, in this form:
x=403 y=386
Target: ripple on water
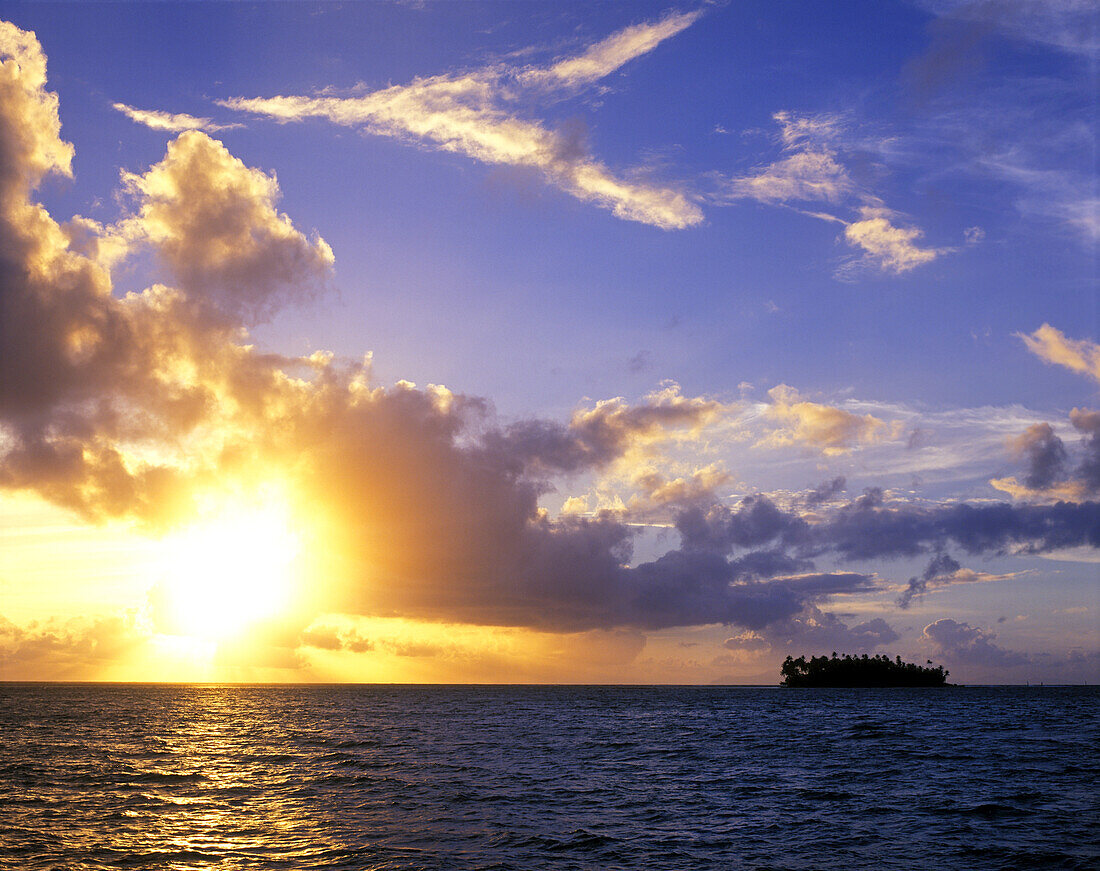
x=520 y=777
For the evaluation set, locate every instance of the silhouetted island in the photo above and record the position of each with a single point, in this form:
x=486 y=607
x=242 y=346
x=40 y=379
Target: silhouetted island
x=859 y=671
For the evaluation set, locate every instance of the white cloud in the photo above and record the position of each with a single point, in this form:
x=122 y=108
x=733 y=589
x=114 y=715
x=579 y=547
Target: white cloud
x=606 y=56
x=812 y=171
x=470 y=114
x=1052 y=346
x=178 y=123
x=886 y=247
x=804 y=176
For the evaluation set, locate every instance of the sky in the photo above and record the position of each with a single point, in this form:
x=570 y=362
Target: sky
x=548 y=342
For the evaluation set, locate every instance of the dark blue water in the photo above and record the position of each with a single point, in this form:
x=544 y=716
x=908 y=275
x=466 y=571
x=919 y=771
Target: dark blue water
x=227 y=777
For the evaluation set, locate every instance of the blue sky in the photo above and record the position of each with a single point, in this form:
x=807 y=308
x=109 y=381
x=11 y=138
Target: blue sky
x=835 y=228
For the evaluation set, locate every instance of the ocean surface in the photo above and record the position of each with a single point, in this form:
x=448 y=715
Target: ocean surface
x=369 y=777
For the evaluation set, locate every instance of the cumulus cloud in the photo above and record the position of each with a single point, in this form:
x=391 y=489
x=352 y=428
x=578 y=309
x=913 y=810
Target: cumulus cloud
x=815 y=631
x=214 y=223
x=474 y=114
x=1045 y=453
x=812 y=631
x=413 y=502
x=428 y=509
x=828 y=429
x=1049 y=475
x=1052 y=346
x=155 y=119
x=963 y=644
x=32 y=142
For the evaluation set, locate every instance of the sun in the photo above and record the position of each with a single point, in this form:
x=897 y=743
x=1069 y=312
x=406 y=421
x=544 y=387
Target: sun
x=230 y=570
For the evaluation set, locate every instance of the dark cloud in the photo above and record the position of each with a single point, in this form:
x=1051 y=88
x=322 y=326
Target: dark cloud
x=641 y=362
x=940 y=568
x=826 y=491
x=866 y=530
x=1088 y=424
x=596 y=436
x=1045 y=453
x=956 y=52
x=872 y=498
x=755 y=522
x=416 y=502
x=986 y=528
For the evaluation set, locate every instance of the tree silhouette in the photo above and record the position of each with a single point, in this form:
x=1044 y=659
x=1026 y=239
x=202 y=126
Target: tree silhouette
x=865 y=671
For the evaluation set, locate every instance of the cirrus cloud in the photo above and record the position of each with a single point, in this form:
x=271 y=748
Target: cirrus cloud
x=473 y=114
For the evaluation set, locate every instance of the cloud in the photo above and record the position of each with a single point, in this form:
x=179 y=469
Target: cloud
x=812 y=171
x=815 y=631
x=1088 y=424
x=413 y=502
x=1049 y=475
x=214 y=223
x=805 y=176
x=1066 y=25
x=69 y=649
x=472 y=114
x=610 y=430
x=1063 y=195
x=940 y=570
x=604 y=57
x=866 y=529
x=973 y=235
x=1052 y=346
x=1045 y=453
x=418 y=504
x=831 y=430
x=886 y=247
x=155 y=119
x=963 y=644
x=32 y=145
x=826 y=490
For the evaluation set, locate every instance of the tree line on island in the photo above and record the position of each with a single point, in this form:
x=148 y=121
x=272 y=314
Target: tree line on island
x=859 y=671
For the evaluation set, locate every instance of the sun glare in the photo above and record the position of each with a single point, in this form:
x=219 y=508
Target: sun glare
x=230 y=570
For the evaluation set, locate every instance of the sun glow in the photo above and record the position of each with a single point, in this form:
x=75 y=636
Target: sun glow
x=230 y=571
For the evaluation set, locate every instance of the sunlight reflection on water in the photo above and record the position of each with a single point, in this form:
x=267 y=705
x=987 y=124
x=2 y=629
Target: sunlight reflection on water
x=464 y=777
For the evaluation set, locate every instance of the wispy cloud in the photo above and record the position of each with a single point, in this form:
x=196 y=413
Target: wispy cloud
x=1067 y=25
x=606 y=56
x=812 y=171
x=1060 y=195
x=1051 y=345
x=415 y=502
x=475 y=114
x=171 y=123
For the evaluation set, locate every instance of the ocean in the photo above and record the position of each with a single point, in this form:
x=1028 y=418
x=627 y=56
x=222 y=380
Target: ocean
x=456 y=777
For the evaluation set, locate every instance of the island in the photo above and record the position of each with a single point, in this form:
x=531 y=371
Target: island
x=859 y=671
